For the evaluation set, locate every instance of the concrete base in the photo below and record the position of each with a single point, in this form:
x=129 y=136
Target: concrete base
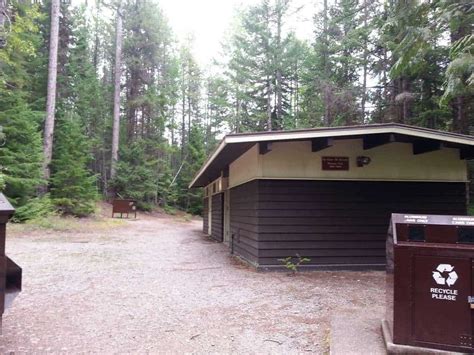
x=344 y=267
x=408 y=349
x=9 y=297
x=355 y=332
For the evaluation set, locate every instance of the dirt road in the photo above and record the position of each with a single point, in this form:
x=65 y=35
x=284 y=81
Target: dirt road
x=158 y=285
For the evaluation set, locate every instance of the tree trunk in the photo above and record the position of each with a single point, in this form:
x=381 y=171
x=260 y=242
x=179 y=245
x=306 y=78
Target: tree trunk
x=364 y=71
x=183 y=115
x=237 y=111
x=279 y=103
x=173 y=110
x=269 y=104
x=460 y=115
x=3 y=14
x=327 y=119
x=95 y=59
x=118 y=75
x=386 y=96
x=189 y=118
x=270 y=74
x=278 y=63
x=51 y=93
x=407 y=102
x=208 y=116
x=461 y=121
x=297 y=98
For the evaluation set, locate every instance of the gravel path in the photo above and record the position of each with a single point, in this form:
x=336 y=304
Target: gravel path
x=158 y=285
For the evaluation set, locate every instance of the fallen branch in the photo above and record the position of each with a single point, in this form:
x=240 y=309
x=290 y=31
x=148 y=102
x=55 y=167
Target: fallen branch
x=194 y=336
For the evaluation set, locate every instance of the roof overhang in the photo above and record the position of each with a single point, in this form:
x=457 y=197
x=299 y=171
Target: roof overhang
x=233 y=146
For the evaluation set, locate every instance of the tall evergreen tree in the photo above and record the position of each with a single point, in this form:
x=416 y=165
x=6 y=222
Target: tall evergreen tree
x=137 y=174
x=79 y=106
x=191 y=200
x=73 y=188
x=20 y=152
x=262 y=52
x=117 y=89
x=369 y=61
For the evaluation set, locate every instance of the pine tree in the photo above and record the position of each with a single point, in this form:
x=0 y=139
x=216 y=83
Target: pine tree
x=416 y=34
x=80 y=115
x=21 y=150
x=73 y=187
x=136 y=176
x=458 y=16
x=21 y=155
x=117 y=79
x=152 y=71
x=263 y=54
x=218 y=109
x=191 y=200
x=89 y=96
x=332 y=86
x=190 y=94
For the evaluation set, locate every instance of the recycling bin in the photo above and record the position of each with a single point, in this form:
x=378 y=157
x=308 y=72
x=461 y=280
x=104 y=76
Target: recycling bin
x=430 y=284
x=10 y=272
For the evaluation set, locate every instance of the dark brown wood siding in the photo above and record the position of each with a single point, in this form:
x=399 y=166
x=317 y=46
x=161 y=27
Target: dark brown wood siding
x=205 y=215
x=334 y=223
x=243 y=221
x=217 y=210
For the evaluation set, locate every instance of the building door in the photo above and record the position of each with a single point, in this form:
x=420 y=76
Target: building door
x=205 y=215
x=209 y=215
x=227 y=217
x=217 y=219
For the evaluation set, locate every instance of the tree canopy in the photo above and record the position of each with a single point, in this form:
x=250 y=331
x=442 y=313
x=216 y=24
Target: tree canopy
x=368 y=61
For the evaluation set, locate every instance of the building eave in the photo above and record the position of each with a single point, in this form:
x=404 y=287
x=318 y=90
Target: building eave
x=246 y=140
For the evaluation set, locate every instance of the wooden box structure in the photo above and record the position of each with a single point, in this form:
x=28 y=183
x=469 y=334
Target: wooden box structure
x=328 y=193
x=10 y=273
x=124 y=206
x=430 y=283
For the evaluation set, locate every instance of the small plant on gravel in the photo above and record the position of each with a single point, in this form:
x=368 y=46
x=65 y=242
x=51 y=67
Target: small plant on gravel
x=170 y=210
x=293 y=266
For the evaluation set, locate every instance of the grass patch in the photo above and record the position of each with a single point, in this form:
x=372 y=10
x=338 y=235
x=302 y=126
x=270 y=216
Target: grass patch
x=187 y=217
x=65 y=224
x=170 y=210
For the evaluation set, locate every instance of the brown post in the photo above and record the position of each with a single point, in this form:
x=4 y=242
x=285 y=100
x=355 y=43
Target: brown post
x=10 y=273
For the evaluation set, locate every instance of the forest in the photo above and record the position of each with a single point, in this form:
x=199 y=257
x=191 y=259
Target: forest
x=101 y=99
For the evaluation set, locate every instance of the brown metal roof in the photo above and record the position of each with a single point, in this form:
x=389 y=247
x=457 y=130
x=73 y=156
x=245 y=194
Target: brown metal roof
x=234 y=145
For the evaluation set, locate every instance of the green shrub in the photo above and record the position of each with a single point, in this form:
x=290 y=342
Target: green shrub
x=170 y=210
x=39 y=207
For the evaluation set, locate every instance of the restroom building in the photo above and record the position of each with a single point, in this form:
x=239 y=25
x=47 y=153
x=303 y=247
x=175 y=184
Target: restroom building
x=327 y=193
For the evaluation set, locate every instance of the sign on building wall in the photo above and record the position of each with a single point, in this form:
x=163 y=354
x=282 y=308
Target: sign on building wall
x=335 y=163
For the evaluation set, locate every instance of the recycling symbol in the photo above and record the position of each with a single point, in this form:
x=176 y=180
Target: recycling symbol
x=440 y=275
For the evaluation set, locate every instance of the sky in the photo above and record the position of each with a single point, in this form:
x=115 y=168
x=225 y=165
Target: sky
x=209 y=20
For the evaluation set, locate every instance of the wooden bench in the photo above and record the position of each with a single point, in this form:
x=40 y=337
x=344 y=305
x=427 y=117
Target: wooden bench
x=124 y=206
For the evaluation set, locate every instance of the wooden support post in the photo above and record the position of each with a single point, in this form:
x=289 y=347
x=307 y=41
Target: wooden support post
x=376 y=140
x=264 y=147
x=225 y=172
x=466 y=153
x=426 y=145
x=318 y=144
